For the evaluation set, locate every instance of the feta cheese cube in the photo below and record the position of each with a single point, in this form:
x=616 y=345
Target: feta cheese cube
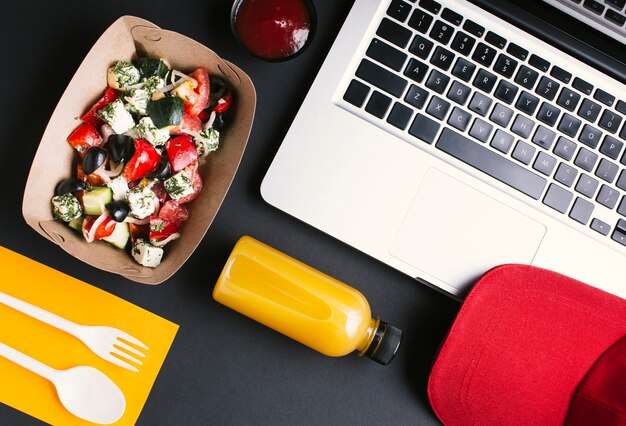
x=137 y=101
x=207 y=141
x=122 y=74
x=146 y=254
x=142 y=202
x=116 y=116
x=119 y=186
x=66 y=207
x=178 y=186
x=148 y=131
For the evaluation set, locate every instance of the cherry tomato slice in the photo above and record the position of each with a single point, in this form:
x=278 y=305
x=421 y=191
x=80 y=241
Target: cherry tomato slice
x=160 y=229
x=224 y=103
x=105 y=229
x=84 y=137
x=144 y=161
x=203 y=90
x=181 y=151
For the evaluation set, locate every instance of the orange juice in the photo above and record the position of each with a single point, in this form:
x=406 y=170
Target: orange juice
x=302 y=303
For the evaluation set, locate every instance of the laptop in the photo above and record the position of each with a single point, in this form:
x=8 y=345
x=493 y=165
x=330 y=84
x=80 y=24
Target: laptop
x=443 y=141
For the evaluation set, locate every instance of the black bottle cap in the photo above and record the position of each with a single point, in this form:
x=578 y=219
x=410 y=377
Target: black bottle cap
x=385 y=343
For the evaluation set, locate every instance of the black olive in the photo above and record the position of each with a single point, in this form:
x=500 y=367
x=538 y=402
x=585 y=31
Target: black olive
x=69 y=185
x=118 y=210
x=93 y=159
x=218 y=88
x=221 y=120
x=120 y=147
x=163 y=169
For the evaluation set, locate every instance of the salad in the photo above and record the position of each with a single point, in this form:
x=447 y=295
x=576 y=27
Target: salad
x=140 y=149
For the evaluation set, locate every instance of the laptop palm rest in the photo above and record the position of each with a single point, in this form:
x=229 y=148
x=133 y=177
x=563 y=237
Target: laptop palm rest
x=449 y=221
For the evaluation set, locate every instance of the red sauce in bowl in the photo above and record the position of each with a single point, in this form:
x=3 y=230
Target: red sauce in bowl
x=273 y=29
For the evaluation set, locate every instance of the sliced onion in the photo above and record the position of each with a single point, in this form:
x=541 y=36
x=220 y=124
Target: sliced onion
x=102 y=173
x=135 y=86
x=172 y=237
x=115 y=172
x=210 y=121
x=94 y=227
x=136 y=221
x=175 y=83
x=107 y=131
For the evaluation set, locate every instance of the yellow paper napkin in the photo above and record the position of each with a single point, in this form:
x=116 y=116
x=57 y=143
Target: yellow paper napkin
x=82 y=303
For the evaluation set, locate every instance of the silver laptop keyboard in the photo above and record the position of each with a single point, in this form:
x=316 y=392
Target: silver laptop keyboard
x=455 y=85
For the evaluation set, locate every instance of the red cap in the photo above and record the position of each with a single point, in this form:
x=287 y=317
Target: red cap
x=520 y=350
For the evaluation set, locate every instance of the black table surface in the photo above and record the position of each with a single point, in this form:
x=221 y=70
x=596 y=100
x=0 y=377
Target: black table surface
x=222 y=368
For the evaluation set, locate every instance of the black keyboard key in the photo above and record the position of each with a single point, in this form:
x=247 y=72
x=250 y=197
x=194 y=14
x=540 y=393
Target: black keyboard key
x=581 y=211
x=560 y=74
x=502 y=141
x=547 y=88
x=569 y=125
x=527 y=103
x=611 y=147
x=594 y=6
x=601 y=227
x=441 y=32
x=424 y=129
x=491 y=163
x=586 y=159
x=589 y=110
x=568 y=99
x=619 y=4
x=586 y=185
x=381 y=78
x=622 y=210
x=438 y=108
x=420 y=21
x=505 y=66
x=616 y=18
x=430 y=5
x=442 y=58
x=582 y=86
x=356 y=93
x=539 y=63
x=590 y=136
x=473 y=28
x=604 y=97
x=437 y=81
x=485 y=80
x=481 y=130
x=608 y=197
x=416 y=96
x=378 y=105
x=495 y=40
x=619 y=234
x=622 y=135
x=399 y=116
x=566 y=175
x=621 y=182
x=621 y=107
x=607 y=170
x=544 y=163
x=506 y=91
x=548 y=114
x=526 y=77
x=544 y=137
x=459 y=93
x=523 y=152
x=394 y=33
x=517 y=51
x=386 y=54
x=459 y=119
x=399 y=10
x=484 y=54
x=416 y=70
x=421 y=47
x=452 y=17
x=463 y=69
x=480 y=103
x=558 y=198
x=501 y=115
x=610 y=121
x=565 y=148
x=522 y=126
x=463 y=43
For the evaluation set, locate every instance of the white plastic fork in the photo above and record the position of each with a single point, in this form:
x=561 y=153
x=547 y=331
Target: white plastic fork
x=103 y=341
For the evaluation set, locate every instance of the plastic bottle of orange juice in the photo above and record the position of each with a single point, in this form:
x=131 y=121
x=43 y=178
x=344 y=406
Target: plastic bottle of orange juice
x=303 y=303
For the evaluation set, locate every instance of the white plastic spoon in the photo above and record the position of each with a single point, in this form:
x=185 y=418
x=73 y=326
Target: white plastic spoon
x=84 y=391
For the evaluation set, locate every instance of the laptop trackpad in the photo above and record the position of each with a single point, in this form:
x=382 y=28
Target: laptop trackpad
x=455 y=233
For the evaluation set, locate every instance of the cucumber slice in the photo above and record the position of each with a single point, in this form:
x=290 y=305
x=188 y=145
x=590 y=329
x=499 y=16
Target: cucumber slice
x=120 y=236
x=77 y=224
x=94 y=201
x=166 y=111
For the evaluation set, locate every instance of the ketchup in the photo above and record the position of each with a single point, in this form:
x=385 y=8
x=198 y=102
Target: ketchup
x=273 y=29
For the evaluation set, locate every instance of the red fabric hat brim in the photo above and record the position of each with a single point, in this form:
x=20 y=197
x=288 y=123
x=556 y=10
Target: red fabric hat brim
x=520 y=346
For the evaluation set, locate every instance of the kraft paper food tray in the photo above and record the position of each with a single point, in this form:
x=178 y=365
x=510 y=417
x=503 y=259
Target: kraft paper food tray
x=55 y=158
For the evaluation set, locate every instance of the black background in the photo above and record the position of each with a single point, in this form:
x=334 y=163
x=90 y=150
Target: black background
x=224 y=368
